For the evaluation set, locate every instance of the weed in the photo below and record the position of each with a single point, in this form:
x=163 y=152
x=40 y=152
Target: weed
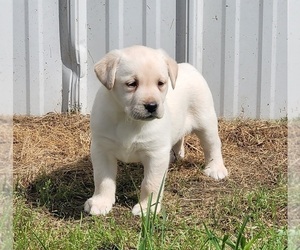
x=240 y=243
x=149 y=221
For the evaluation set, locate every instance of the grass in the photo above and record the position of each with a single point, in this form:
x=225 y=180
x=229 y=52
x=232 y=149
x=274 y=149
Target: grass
x=53 y=178
x=168 y=231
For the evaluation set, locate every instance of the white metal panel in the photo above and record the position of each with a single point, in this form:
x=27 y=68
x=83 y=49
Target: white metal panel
x=244 y=56
x=20 y=59
x=293 y=59
x=239 y=45
x=195 y=30
x=6 y=59
x=73 y=42
x=213 y=42
x=37 y=65
x=230 y=107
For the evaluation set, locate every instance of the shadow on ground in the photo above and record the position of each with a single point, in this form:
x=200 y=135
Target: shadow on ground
x=63 y=191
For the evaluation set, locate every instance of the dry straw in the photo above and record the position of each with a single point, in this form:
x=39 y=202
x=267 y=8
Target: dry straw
x=57 y=146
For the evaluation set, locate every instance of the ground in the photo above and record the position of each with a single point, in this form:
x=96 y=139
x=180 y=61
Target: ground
x=53 y=178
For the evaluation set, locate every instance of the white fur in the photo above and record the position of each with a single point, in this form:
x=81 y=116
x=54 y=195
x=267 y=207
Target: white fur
x=123 y=129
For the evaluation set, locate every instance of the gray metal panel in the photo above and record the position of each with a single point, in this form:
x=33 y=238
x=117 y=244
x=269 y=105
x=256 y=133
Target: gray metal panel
x=6 y=64
x=293 y=61
x=73 y=41
x=250 y=57
x=213 y=42
x=244 y=56
x=97 y=46
x=37 y=65
x=240 y=46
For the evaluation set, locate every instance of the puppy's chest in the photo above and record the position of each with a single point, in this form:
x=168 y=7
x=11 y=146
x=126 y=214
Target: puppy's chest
x=126 y=145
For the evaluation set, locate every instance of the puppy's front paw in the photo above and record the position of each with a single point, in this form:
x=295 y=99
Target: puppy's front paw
x=216 y=171
x=98 y=205
x=138 y=208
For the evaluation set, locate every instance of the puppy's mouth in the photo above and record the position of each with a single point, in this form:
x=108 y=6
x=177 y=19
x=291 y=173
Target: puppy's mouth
x=149 y=117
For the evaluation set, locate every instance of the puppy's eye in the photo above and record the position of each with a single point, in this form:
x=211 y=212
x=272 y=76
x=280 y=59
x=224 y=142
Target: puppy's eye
x=133 y=84
x=160 y=84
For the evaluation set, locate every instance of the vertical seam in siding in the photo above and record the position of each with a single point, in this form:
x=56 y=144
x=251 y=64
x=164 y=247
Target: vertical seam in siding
x=26 y=22
x=107 y=25
x=188 y=13
x=273 y=58
x=158 y=23
x=121 y=23
x=222 y=68
x=259 y=59
x=236 y=57
x=144 y=23
x=41 y=57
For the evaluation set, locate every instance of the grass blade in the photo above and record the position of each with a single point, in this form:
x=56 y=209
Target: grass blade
x=240 y=235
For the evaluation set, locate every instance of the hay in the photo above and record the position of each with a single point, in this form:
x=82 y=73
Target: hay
x=56 y=147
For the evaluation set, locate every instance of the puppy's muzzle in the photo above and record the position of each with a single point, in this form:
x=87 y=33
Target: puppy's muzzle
x=151 y=107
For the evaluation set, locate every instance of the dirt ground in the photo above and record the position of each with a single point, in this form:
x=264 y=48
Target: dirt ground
x=54 y=149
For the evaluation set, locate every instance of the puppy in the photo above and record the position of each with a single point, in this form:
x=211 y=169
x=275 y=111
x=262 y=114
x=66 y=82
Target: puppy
x=145 y=106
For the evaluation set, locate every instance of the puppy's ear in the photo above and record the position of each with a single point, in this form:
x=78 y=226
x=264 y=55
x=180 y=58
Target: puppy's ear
x=106 y=68
x=172 y=67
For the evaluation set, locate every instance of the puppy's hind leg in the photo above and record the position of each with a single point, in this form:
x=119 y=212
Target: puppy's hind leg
x=211 y=144
x=177 y=151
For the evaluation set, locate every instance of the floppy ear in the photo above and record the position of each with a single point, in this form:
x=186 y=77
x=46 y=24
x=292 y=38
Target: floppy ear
x=172 y=67
x=106 y=68
x=173 y=70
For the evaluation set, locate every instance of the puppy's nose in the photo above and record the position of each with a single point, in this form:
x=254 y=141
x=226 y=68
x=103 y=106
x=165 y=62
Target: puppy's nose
x=151 y=107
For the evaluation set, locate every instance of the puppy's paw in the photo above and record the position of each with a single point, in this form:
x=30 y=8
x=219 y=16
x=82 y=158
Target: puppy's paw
x=174 y=156
x=138 y=208
x=216 y=171
x=98 y=205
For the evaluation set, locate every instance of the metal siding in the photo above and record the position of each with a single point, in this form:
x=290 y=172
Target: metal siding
x=244 y=56
x=195 y=30
x=213 y=40
x=229 y=107
x=280 y=108
x=97 y=43
x=37 y=67
x=240 y=46
x=293 y=59
x=182 y=30
x=6 y=63
x=250 y=57
x=20 y=62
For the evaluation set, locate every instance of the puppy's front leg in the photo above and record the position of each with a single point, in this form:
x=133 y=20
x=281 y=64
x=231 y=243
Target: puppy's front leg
x=155 y=169
x=105 y=171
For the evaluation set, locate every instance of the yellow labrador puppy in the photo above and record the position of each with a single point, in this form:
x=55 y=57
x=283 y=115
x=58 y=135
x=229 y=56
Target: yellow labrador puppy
x=145 y=106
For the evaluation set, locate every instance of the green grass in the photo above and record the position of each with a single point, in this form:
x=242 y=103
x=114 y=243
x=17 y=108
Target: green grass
x=53 y=178
x=240 y=218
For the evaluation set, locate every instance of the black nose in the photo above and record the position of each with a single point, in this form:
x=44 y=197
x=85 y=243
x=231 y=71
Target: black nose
x=151 y=107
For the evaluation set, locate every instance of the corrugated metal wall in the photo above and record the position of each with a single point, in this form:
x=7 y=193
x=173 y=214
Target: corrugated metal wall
x=245 y=56
x=6 y=63
x=37 y=60
x=240 y=46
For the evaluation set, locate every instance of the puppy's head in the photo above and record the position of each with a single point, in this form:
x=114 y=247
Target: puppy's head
x=138 y=78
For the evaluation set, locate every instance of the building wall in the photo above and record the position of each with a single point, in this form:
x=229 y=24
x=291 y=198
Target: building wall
x=37 y=61
x=240 y=46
